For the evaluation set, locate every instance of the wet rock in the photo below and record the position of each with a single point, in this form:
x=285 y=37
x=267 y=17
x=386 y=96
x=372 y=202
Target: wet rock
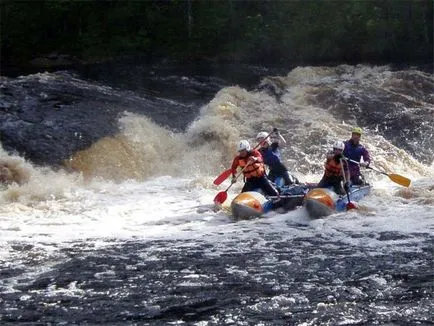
x=55 y=60
x=48 y=117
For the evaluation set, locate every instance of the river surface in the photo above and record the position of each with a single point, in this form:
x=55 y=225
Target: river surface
x=122 y=230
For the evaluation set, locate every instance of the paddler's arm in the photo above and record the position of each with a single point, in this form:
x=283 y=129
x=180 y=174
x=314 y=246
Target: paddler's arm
x=258 y=156
x=346 y=170
x=366 y=157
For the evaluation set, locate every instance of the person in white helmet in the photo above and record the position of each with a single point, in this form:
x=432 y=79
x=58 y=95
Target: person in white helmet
x=250 y=160
x=269 y=149
x=333 y=175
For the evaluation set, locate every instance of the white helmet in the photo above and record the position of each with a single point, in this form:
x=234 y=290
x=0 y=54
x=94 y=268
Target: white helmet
x=243 y=146
x=339 y=145
x=262 y=134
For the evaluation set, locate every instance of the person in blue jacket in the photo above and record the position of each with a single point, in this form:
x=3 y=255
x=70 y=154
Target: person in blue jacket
x=270 y=152
x=355 y=151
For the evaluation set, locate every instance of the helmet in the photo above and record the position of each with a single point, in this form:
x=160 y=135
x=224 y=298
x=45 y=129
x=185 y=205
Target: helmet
x=243 y=146
x=262 y=134
x=339 y=145
x=357 y=130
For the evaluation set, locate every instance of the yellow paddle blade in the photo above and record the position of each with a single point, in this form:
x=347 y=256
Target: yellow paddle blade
x=399 y=179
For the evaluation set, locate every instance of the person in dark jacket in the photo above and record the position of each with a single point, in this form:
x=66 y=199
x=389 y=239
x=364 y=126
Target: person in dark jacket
x=355 y=151
x=270 y=152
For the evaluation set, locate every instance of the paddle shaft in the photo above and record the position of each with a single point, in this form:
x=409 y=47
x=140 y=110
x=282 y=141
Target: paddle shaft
x=223 y=195
x=345 y=182
x=281 y=137
x=285 y=196
x=236 y=177
x=399 y=179
x=368 y=167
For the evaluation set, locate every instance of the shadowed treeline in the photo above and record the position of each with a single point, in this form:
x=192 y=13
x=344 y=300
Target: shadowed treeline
x=266 y=32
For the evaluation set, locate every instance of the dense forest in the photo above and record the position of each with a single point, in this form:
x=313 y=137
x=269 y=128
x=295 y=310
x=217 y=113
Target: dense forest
x=266 y=32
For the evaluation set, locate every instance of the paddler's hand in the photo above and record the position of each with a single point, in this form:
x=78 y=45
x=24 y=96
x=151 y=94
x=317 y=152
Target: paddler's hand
x=347 y=186
x=276 y=131
x=252 y=159
x=234 y=179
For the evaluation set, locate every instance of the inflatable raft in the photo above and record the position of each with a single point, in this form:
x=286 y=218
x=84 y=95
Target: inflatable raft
x=254 y=204
x=320 y=202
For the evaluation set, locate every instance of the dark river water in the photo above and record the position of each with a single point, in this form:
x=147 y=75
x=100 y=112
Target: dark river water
x=115 y=224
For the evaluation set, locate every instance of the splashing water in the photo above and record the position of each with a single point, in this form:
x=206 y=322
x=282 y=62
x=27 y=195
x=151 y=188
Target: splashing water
x=131 y=236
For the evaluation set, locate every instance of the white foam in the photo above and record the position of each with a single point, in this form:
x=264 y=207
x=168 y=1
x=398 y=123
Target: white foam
x=56 y=208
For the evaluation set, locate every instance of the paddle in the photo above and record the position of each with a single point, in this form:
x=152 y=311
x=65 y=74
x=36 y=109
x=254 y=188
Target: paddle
x=223 y=195
x=399 y=179
x=285 y=196
x=222 y=177
x=349 y=205
x=280 y=136
x=225 y=174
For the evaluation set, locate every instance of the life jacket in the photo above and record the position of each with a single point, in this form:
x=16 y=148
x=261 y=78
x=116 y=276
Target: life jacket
x=253 y=170
x=333 y=168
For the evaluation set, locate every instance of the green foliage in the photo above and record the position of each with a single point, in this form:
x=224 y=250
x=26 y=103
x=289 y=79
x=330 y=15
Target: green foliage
x=295 y=31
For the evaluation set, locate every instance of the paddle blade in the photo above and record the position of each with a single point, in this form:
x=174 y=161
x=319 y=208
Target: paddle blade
x=281 y=137
x=399 y=179
x=220 y=198
x=351 y=205
x=222 y=177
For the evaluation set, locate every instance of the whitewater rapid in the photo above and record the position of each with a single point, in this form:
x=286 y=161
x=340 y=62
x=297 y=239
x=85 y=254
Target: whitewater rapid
x=121 y=236
x=164 y=219
x=167 y=207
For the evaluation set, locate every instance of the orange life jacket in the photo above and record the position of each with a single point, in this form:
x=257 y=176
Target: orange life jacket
x=253 y=170
x=332 y=168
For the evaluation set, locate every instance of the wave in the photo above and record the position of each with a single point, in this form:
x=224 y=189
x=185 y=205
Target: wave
x=311 y=106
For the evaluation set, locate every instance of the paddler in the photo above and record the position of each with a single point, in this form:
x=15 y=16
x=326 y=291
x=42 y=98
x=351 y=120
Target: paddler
x=355 y=151
x=333 y=173
x=269 y=149
x=250 y=160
